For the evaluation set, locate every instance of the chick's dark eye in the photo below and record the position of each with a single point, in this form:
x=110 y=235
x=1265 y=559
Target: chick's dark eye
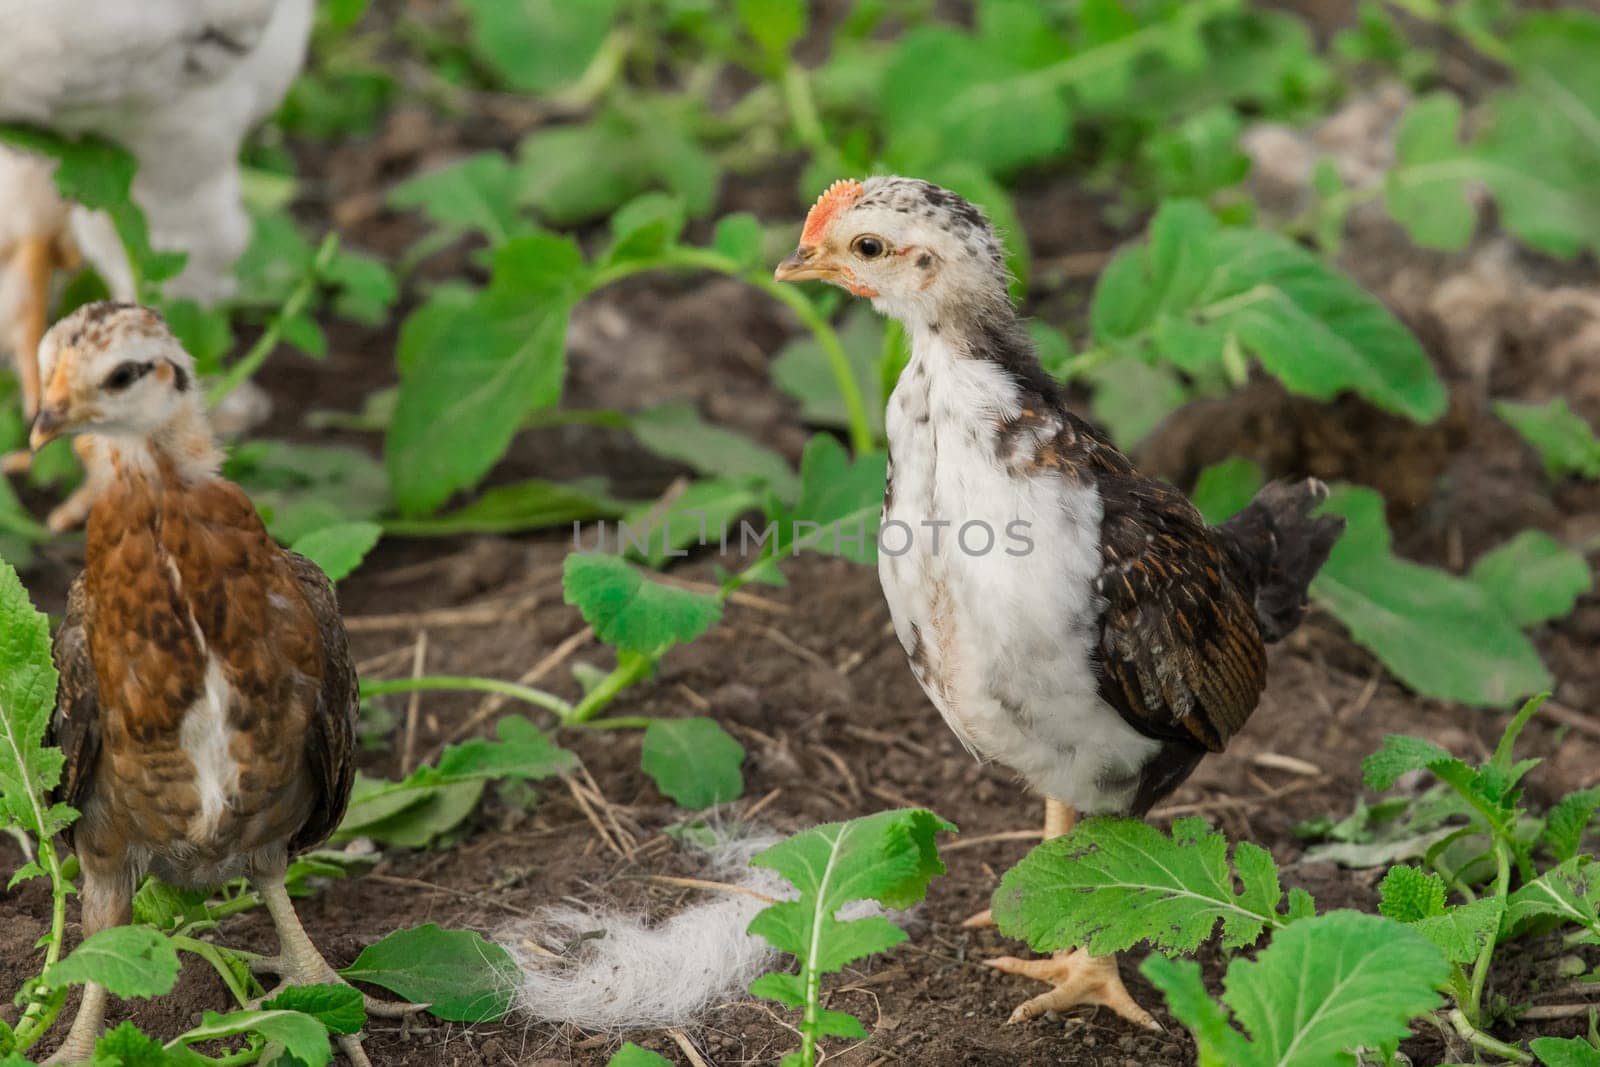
x=869 y=247
x=126 y=374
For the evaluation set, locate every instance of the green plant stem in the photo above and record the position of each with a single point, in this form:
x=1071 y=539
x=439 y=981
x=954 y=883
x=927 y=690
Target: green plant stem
x=251 y=361
x=860 y=428
x=527 y=694
x=626 y=673
x=212 y=955
x=1480 y=968
x=802 y=105
x=1478 y=1039
x=46 y=1004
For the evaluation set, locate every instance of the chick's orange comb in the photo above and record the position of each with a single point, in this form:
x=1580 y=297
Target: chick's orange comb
x=834 y=199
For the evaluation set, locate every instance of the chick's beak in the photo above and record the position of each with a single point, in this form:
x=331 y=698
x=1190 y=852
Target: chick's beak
x=50 y=423
x=804 y=263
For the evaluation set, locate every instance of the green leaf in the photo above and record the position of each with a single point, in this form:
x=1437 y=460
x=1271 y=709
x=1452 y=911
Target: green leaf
x=803 y=371
x=1564 y=441
x=1569 y=893
x=539 y=45
x=299 y=488
x=676 y=431
x=571 y=174
x=1324 y=987
x=693 y=761
x=1462 y=931
x=28 y=768
x=336 y=1006
x=339 y=549
x=775 y=25
x=1443 y=636
x=1565 y=1052
x=1540 y=150
x=130 y=961
x=1533 y=577
x=697 y=516
x=126 y=1046
x=1111 y=883
x=629 y=611
x=431 y=800
x=1131 y=397
x=302 y=1036
x=459 y=975
x=740 y=238
x=489 y=363
x=1194 y=285
x=529 y=505
x=1428 y=192
x=1223 y=489
x=1401 y=754
x=1408 y=894
x=840 y=503
x=367 y=288
x=643 y=227
x=1567 y=822
x=476 y=194
x=631 y=1055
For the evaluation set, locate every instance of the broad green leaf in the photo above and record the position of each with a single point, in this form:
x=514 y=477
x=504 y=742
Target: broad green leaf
x=1224 y=489
x=274 y=262
x=1408 y=894
x=1567 y=822
x=302 y=1036
x=740 y=238
x=693 y=761
x=643 y=227
x=459 y=975
x=28 y=768
x=1565 y=1052
x=1111 y=883
x=339 y=549
x=529 y=505
x=492 y=362
x=125 y=1046
x=476 y=194
x=1443 y=636
x=205 y=333
x=367 y=287
x=703 y=514
x=1541 y=148
x=337 y=1007
x=1193 y=285
x=1533 y=577
x=130 y=961
x=632 y=612
x=570 y=174
x=1131 y=397
x=1324 y=987
x=631 y=1055
x=950 y=95
x=539 y=45
x=1428 y=191
x=431 y=800
x=1401 y=754
x=1569 y=893
x=803 y=371
x=774 y=25
x=1565 y=442
x=676 y=431
x=1461 y=932
x=299 y=488
x=840 y=503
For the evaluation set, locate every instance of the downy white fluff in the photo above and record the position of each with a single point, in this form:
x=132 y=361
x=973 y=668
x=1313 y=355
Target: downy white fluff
x=615 y=971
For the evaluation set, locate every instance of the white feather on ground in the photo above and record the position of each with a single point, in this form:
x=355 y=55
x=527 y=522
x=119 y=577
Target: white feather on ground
x=615 y=971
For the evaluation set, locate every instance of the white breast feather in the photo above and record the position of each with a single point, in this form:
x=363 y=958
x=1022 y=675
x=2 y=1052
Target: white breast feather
x=207 y=739
x=1006 y=641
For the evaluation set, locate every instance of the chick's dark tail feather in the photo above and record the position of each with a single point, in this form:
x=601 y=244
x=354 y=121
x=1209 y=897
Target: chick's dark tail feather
x=1279 y=547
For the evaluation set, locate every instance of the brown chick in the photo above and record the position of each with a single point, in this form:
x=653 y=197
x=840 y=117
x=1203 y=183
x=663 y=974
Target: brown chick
x=208 y=701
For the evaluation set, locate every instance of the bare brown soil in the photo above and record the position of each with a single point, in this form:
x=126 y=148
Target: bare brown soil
x=813 y=683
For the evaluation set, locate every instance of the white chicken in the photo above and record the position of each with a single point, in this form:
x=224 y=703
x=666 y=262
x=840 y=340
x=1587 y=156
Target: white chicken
x=178 y=83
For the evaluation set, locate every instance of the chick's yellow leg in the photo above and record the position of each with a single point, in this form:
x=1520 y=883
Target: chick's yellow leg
x=1078 y=978
x=299 y=963
x=107 y=901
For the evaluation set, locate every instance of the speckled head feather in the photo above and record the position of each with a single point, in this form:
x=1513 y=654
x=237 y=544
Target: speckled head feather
x=834 y=199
